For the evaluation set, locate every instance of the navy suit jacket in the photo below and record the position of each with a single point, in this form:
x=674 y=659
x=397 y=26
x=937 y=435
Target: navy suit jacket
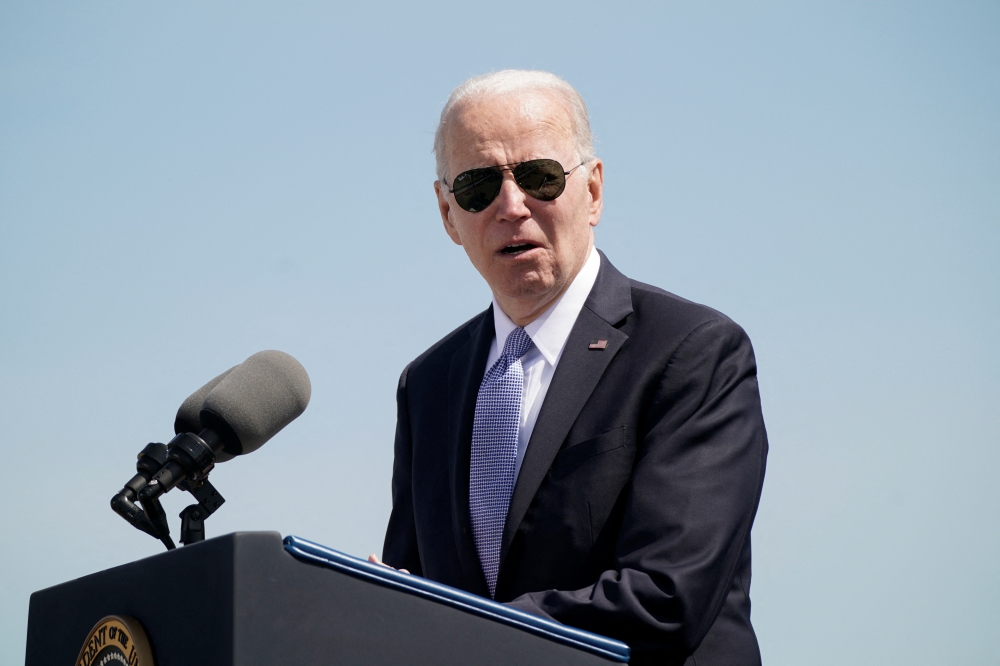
x=632 y=510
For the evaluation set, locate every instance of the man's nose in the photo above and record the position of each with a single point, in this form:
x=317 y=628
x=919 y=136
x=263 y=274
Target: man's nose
x=511 y=202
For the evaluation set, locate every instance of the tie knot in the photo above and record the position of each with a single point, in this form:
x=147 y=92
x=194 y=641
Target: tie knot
x=517 y=345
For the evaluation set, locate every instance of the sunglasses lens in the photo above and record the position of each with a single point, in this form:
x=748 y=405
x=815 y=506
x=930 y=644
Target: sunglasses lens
x=477 y=188
x=542 y=179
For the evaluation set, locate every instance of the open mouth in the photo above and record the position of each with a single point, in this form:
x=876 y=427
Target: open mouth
x=518 y=248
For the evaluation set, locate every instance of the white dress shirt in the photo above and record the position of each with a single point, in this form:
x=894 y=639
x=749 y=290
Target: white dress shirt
x=549 y=333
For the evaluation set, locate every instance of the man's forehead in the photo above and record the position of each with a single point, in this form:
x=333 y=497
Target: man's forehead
x=530 y=110
x=488 y=124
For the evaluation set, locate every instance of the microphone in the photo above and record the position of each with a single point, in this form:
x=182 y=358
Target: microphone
x=188 y=417
x=151 y=459
x=188 y=414
x=249 y=405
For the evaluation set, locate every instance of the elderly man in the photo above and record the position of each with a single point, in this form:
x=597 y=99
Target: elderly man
x=589 y=448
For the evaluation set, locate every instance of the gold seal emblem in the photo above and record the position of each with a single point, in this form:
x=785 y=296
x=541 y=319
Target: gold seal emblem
x=117 y=640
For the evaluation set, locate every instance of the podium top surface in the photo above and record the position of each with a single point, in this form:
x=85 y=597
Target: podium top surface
x=255 y=599
x=315 y=553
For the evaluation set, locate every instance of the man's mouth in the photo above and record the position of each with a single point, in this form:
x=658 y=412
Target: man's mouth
x=518 y=248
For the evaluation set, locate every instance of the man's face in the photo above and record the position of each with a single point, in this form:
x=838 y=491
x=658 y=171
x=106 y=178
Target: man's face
x=527 y=250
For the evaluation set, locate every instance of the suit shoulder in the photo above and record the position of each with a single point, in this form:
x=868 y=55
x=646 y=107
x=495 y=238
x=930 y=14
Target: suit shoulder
x=656 y=300
x=661 y=308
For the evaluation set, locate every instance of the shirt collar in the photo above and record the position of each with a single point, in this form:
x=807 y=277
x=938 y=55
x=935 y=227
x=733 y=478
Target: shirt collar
x=552 y=328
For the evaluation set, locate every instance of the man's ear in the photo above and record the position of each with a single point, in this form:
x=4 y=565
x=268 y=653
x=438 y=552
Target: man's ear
x=445 y=209
x=595 y=186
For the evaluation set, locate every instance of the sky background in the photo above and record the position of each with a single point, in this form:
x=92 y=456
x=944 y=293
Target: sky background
x=184 y=184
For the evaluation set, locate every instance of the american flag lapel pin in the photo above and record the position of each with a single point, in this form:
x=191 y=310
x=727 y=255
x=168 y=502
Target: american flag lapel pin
x=598 y=344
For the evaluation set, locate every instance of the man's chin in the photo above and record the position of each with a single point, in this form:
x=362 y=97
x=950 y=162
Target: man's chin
x=531 y=292
x=524 y=281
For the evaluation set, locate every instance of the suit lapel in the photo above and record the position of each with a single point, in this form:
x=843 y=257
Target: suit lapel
x=577 y=374
x=464 y=377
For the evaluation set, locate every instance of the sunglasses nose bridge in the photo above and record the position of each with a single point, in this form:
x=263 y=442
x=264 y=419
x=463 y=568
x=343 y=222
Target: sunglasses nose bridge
x=507 y=173
x=511 y=199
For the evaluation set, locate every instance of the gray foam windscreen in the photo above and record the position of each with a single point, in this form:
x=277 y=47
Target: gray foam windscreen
x=188 y=417
x=256 y=399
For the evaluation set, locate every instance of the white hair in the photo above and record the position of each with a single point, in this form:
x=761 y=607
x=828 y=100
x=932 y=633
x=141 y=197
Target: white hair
x=509 y=83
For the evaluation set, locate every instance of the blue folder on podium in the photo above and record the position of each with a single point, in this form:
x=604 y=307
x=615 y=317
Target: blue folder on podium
x=255 y=599
x=309 y=551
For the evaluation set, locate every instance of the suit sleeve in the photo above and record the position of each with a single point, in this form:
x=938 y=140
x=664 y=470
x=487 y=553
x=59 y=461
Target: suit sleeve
x=696 y=483
x=400 y=547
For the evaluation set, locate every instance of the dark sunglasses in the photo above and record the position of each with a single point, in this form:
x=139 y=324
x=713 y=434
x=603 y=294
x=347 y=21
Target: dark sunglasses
x=476 y=189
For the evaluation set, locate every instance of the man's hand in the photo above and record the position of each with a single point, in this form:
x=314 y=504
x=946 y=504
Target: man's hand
x=373 y=558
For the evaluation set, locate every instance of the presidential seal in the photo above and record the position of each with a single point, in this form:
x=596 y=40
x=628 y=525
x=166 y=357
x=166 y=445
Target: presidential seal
x=117 y=640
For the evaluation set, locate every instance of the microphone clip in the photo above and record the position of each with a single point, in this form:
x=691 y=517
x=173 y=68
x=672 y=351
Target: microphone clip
x=184 y=463
x=193 y=517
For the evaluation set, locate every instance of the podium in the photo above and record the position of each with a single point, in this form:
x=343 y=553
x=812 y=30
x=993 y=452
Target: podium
x=251 y=598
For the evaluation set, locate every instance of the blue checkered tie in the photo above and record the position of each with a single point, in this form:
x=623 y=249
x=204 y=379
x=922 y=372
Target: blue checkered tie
x=494 y=451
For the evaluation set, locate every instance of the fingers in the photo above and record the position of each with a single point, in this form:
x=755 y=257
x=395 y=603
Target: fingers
x=373 y=558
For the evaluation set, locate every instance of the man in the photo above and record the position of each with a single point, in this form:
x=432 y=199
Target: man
x=589 y=448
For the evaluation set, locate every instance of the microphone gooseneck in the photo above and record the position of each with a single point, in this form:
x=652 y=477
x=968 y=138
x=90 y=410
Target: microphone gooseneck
x=150 y=460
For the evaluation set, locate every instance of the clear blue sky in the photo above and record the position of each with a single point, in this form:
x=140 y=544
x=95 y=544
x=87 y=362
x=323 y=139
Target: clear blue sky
x=184 y=184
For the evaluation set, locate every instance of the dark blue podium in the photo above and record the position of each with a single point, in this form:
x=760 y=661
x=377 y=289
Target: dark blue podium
x=252 y=599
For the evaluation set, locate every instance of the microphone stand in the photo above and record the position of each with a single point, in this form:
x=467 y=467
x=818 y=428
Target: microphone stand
x=185 y=462
x=193 y=517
